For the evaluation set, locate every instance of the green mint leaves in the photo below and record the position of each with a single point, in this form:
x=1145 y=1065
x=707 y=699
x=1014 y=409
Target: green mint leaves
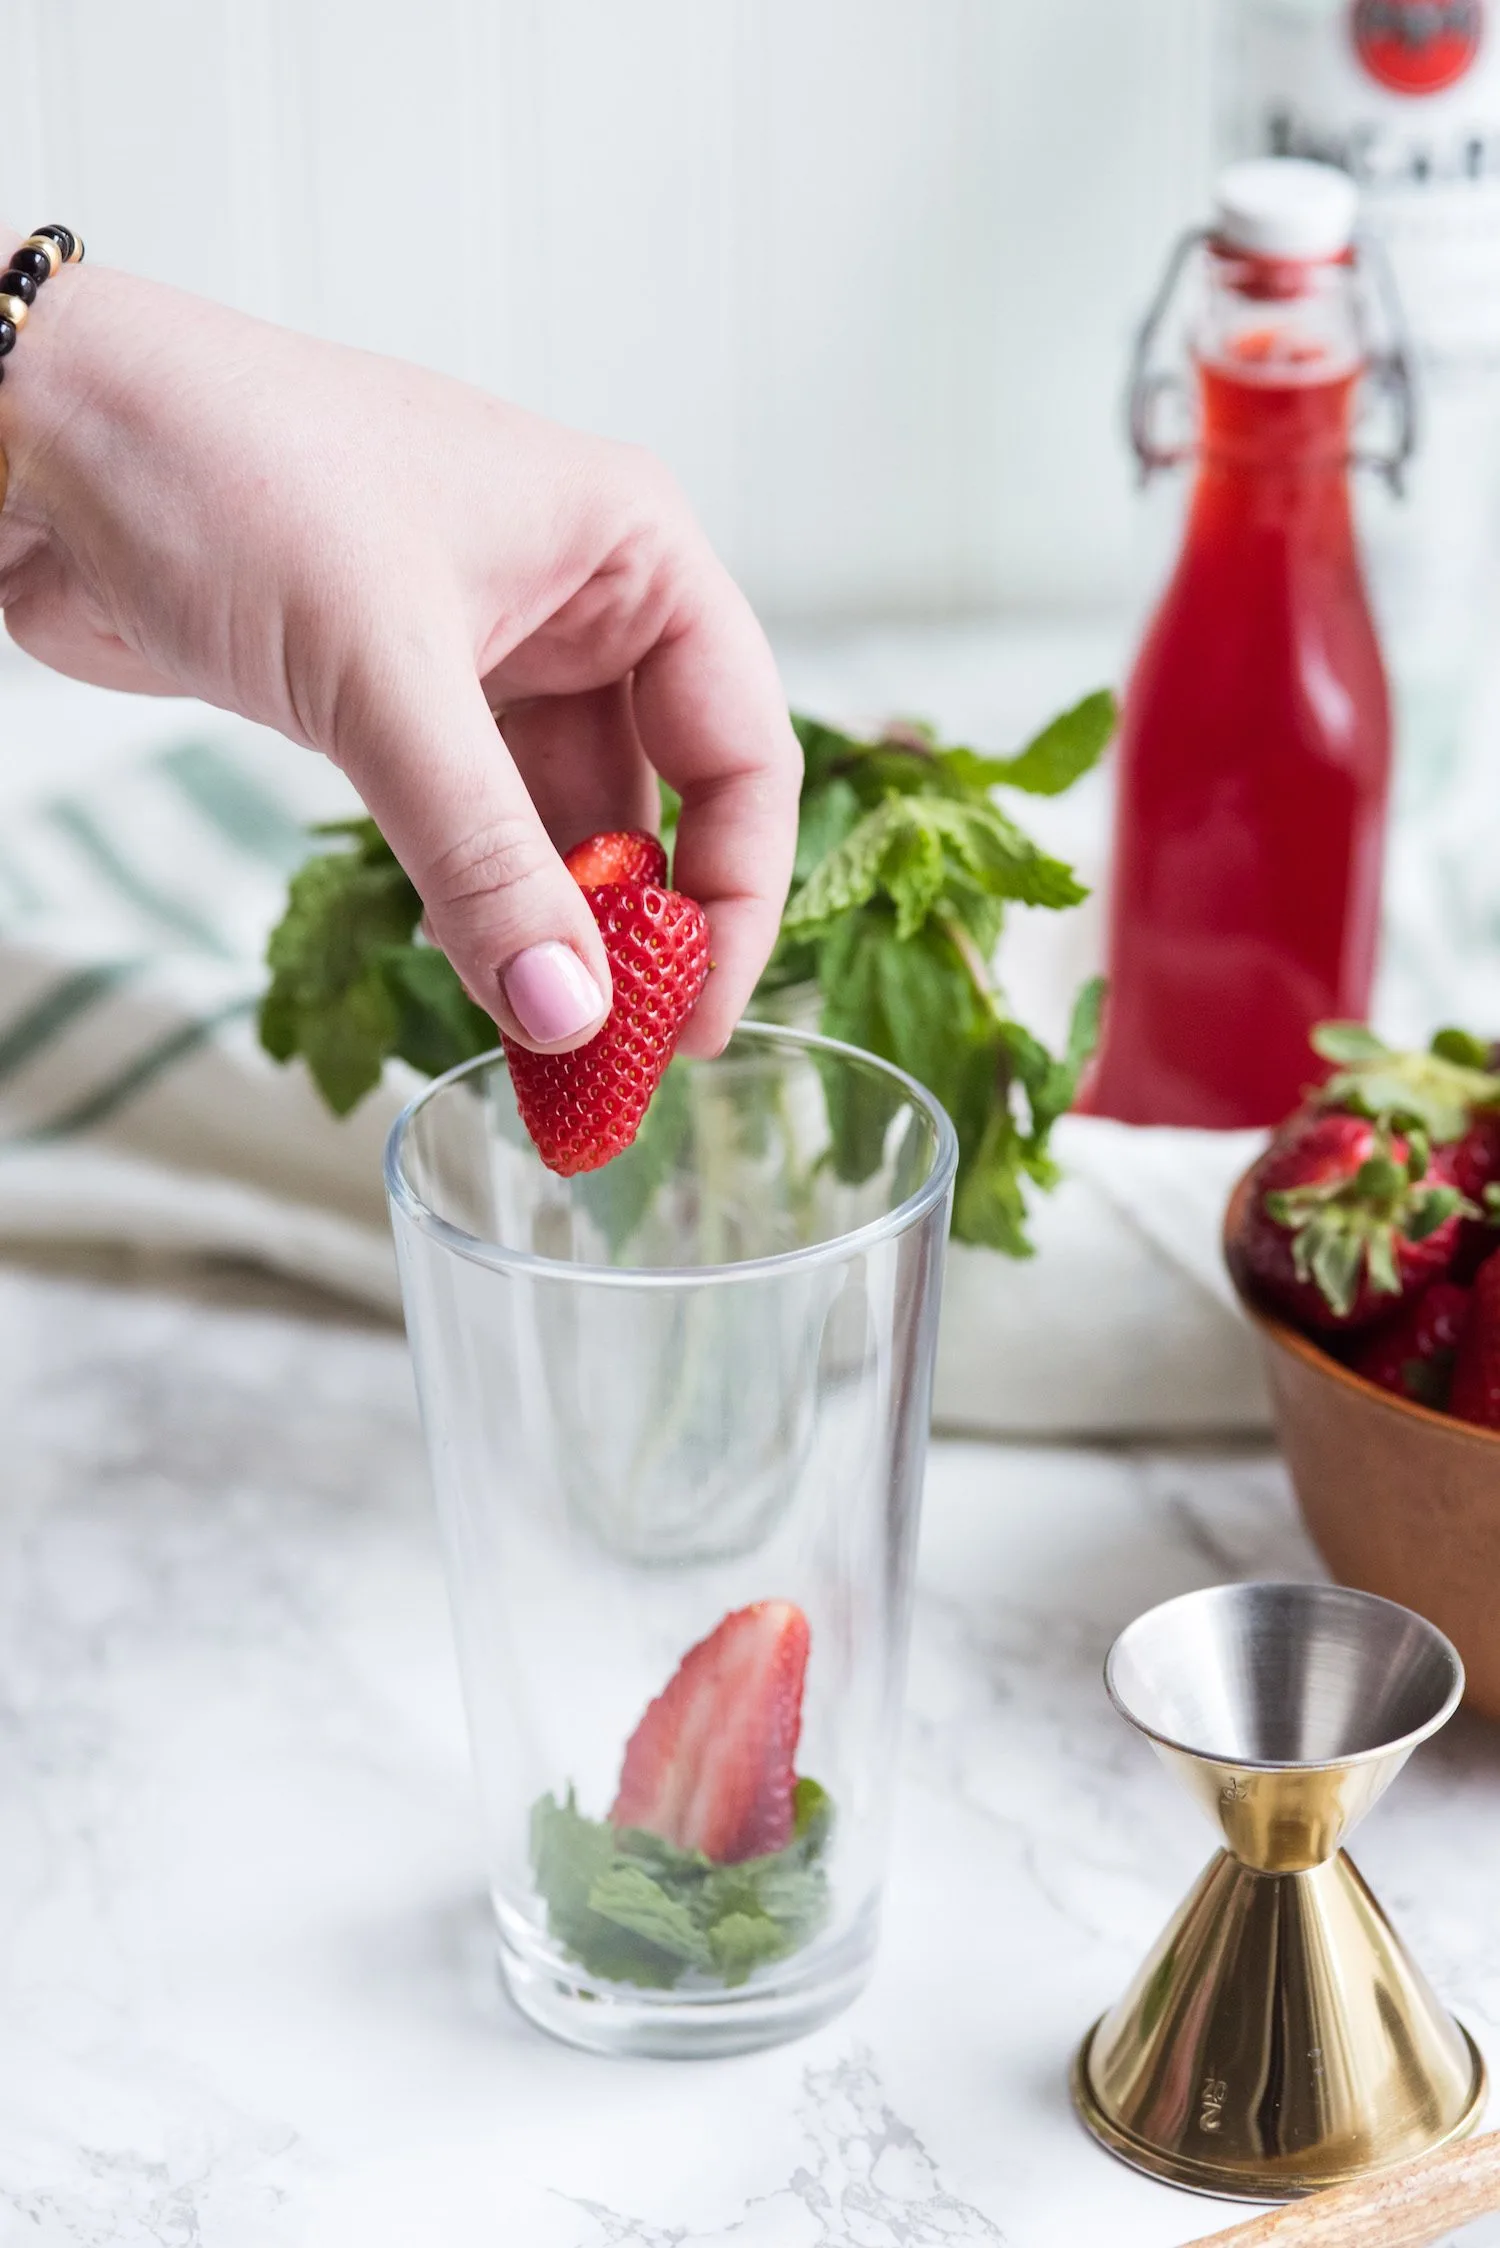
x=631 y=1908
x=929 y=855
x=349 y=984
x=905 y=867
x=1060 y=755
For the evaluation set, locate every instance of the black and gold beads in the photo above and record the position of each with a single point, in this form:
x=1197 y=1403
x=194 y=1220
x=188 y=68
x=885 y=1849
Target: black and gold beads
x=40 y=256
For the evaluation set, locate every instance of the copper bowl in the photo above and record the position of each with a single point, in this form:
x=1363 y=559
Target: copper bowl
x=1399 y=1500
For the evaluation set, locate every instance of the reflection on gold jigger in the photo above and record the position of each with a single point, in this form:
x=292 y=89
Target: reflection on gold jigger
x=1279 y=2038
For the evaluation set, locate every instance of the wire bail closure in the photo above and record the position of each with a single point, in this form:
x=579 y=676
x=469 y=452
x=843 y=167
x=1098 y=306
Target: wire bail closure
x=1388 y=368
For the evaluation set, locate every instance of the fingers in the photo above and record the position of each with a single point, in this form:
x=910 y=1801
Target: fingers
x=713 y=718
x=426 y=757
x=582 y=761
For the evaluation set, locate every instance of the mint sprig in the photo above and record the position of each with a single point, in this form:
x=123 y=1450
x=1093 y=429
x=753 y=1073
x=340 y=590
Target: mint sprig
x=905 y=868
x=897 y=919
x=350 y=986
x=632 y=1908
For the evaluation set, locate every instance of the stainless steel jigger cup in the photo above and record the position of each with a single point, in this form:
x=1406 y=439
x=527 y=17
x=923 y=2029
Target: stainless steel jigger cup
x=1279 y=2038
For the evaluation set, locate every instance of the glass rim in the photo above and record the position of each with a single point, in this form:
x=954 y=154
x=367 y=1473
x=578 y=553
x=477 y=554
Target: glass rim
x=933 y=1189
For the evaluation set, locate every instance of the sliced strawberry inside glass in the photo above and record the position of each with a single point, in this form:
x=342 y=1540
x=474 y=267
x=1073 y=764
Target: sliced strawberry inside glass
x=710 y=1767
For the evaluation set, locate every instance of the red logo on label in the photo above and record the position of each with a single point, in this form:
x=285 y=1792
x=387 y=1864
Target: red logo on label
x=1417 y=46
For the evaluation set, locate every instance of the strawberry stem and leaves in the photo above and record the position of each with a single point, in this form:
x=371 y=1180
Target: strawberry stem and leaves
x=905 y=867
x=1435 y=1092
x=632 y=1908
x=1345 y=1230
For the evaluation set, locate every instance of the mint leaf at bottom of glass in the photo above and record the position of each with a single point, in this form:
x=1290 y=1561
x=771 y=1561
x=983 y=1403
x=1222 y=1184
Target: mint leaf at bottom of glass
x=631 y=1908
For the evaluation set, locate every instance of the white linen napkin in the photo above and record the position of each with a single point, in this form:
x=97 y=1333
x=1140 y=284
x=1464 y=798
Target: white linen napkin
x=1124 y=1322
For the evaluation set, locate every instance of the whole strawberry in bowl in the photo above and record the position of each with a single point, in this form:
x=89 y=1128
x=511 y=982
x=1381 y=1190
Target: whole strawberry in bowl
x=1413 y=1353
x=1474 y=1391
x=1346 y=1219
x=1363 y=1247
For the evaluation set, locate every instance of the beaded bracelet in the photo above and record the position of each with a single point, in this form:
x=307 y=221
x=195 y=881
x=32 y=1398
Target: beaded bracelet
x=39 y=257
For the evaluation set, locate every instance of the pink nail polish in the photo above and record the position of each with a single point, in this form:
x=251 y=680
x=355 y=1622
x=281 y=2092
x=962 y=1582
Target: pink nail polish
x=551 y=993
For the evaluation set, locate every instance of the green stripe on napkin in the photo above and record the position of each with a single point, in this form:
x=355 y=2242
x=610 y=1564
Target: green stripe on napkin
x=99 y=1105
x=168 y=912
x=37 y=1025
x=248 y=815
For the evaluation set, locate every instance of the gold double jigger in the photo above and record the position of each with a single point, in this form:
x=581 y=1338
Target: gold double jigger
x=1279 y=2038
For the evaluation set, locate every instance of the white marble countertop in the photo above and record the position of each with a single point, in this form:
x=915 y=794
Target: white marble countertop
x=247 y=1995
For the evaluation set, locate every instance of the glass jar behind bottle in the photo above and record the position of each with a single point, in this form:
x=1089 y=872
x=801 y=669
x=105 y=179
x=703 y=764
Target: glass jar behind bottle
x=1255 y=745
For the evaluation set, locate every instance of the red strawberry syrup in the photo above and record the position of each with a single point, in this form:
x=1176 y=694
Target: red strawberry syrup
x=1252 y=765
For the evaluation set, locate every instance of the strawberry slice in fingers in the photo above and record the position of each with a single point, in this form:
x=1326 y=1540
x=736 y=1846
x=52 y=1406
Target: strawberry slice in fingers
x=624 y=855
x=585 y=1107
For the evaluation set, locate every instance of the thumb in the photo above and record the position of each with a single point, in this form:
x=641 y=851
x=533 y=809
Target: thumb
x=430 y=764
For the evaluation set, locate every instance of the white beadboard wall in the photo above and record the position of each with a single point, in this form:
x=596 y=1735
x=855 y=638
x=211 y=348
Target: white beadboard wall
x=863 y=271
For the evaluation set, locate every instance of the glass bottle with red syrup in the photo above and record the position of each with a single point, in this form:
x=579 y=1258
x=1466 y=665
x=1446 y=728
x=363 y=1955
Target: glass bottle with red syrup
x=1254 y=752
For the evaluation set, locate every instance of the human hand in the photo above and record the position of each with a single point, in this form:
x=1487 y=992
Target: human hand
x=379 y=562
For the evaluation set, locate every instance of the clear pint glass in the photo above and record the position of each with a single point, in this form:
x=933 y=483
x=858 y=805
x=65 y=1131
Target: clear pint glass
x=683 y=1395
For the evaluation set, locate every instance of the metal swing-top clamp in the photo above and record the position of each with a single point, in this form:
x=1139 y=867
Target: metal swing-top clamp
x=1289 y=217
